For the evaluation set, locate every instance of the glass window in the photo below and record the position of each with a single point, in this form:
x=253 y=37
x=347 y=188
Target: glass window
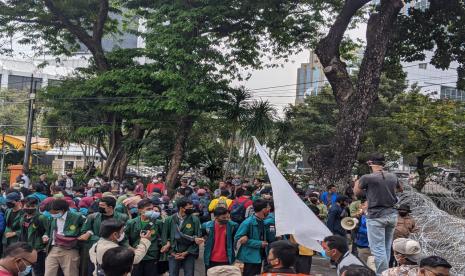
x=22 y=83
x=423 y=66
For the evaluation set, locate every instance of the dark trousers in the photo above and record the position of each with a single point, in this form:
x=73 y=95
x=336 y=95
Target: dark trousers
x=303 y=264
x=252 y=269
x=187 y=264
x=145 y=268
x=39 y=266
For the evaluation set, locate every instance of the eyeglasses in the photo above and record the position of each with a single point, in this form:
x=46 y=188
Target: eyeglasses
x=29 y=262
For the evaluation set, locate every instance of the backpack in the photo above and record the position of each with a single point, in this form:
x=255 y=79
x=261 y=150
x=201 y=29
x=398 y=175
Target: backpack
x=222 y=203
x=238 y=211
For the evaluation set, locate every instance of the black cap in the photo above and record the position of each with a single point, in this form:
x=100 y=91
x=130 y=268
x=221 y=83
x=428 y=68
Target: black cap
x=376 y=158
x=434 y=261
x=404 y=207
x=14 y=196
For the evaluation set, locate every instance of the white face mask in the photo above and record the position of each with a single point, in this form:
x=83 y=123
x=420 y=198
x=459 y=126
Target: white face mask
x=121 y=237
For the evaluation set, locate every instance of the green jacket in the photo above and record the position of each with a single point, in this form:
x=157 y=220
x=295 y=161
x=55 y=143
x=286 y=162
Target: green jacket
x=38 y=226
x=72 y=227
x=189 y=227
x=208 y=230
x=251 y=252
x=14 y=227
x=133 y=229
x=93 y=223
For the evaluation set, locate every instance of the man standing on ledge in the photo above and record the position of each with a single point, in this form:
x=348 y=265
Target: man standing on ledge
x=380 y=188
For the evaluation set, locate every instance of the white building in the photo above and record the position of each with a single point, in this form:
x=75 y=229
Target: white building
x=74 y=156
x=436 y=82
x=15 y=73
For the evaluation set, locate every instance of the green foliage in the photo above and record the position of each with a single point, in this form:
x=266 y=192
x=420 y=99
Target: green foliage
x=13 y=112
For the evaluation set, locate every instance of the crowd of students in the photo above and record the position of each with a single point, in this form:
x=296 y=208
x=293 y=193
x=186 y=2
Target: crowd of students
x=110 y=228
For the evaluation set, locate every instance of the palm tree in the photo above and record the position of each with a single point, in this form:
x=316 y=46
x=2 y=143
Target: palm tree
x=234 y=113
x=259 y=123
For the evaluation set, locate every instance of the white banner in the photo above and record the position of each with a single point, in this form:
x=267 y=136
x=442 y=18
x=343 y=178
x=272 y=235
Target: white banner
x=292 y=216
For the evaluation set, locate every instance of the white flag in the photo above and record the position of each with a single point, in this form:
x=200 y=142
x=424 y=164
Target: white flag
x=292 y=216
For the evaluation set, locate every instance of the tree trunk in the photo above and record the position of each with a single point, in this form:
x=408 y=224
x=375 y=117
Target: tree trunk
x=184 y=128
x=421 y=172
x=231 y=147
x=333 y=164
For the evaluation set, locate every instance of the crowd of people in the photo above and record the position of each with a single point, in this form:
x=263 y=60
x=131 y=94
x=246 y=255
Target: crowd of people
x=112 y=228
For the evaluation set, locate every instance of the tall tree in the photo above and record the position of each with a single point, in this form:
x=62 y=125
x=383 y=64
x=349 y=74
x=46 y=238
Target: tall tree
x=356 y=98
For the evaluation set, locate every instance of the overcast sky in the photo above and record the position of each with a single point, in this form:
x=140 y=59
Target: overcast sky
x=286 y=75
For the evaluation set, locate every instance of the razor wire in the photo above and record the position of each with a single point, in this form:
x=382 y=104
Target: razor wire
x=440 y=220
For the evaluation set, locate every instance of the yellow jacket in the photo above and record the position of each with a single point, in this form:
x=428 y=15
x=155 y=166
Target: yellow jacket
x=214 y=202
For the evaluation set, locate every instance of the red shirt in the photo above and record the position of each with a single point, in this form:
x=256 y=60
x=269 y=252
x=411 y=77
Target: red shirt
x=219 y=252
x=5 y=273
x=241 y=199
x=159 y=185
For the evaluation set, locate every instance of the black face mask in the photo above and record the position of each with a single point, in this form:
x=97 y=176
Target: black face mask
x=29 y=211
x=403 y=213
x=10 y=204
x=102 y=210
x=189 y=211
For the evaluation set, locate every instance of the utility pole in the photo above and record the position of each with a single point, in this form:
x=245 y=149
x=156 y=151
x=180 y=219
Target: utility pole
x=30 y=125
x=2 y=163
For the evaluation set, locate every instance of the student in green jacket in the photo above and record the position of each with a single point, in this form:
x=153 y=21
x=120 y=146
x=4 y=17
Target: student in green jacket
x=62 y=238
x=252 y=235
x=219 y=244
x=33 y=226
x=181 y=237
x=145 y=222
x=12 y=219
x=91 y=228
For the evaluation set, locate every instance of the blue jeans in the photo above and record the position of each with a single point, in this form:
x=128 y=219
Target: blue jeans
x=187 y=264
x=380 y=236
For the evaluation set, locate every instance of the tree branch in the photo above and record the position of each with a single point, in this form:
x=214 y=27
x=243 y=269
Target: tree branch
x=101 y=19
x=79 y=32
x=329 y=55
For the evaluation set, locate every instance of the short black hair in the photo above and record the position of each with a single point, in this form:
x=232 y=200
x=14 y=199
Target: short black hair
x=259 y=205
x=144 y=203
x=341 y=199
x=104 y=188
x=31 y=201
x=357 y=270
x=271 y=202
x=239 y=193
x=330 y=186
x=434 y=261
x=118 y=261
x=15 y=249
x=130 y=187
x=110 y=226
x=109 y=200
x=219 y=211
x=376 y=158
x=183 y=202
x=59 y=205
x=224 y=193
x=285 y=251
x=337 y=242
x=39 y=188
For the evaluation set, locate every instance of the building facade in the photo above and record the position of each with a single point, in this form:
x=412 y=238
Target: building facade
x=310 y=78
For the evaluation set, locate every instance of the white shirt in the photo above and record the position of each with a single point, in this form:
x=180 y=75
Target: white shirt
x=60 y=226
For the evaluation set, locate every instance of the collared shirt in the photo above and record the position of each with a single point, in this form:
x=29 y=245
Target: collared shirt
x=60 y=226
x=181 y=219
x=346 y=260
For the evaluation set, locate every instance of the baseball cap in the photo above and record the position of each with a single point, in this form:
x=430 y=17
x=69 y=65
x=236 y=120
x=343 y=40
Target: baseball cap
x=376 y=158
x=13 y=197
x=404 y=207
x=411 y=249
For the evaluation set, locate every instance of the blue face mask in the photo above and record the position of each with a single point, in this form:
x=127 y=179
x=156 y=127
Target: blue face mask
x=73 y=210
x=56 y=216
x=26 y=271
x=323 y=254
x=84 y=211
x=47 y=214
x=148 y=214
x=155 y=215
